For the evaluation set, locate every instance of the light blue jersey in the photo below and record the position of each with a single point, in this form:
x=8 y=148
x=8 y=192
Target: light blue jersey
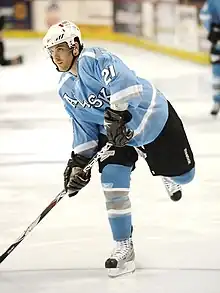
x=210 y=13
x=103 y=79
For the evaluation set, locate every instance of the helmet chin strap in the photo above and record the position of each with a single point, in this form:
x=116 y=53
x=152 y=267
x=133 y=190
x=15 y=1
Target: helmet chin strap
x=71 y=64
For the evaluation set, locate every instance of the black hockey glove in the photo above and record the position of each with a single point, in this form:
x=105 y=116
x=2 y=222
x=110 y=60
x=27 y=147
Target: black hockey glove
x=215 y=55
x=214 y=34
x=74 y=176
x=115 y=126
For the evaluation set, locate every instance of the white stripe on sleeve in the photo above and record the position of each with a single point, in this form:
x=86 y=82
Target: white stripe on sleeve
x=126 y=94
x=205 y=17
x=148 y=113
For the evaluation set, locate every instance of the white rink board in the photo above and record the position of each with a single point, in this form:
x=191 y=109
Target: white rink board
x=95 y=12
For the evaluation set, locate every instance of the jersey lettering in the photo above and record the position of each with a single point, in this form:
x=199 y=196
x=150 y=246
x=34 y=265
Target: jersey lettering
x=108 y=74
x=91 y=101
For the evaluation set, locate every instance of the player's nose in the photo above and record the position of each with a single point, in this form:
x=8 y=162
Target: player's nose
x=56 y=56
x=57 y=59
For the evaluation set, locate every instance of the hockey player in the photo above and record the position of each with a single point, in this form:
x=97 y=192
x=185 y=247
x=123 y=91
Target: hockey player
x=210 y=17
x=3 y=61
x=108 y=102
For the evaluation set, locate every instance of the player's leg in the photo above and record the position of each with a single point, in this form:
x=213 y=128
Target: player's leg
x=173 y=183
x=184 y=178
x=115 y=177
x=116 y=185
x=170 y=156
x=7 y=62
x=1 y=51
x=3 y=61
x=215 y=61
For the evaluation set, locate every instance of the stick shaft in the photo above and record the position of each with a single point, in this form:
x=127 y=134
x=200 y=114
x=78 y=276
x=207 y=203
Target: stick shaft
x=53 y=203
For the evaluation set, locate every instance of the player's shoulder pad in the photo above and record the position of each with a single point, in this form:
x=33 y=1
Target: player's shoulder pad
x=91 y=57
x=87 y=55
x=86 y=61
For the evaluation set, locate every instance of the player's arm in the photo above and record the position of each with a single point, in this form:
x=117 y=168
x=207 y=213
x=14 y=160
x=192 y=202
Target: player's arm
x=125 y=93
x=206 y=18
x=125 y=89
x=85 y=142
x=112 y=74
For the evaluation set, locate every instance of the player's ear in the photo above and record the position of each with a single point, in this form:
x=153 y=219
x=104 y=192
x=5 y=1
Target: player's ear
x=76 y=49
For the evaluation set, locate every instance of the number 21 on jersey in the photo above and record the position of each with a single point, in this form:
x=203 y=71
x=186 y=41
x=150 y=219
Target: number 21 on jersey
x=108 y=74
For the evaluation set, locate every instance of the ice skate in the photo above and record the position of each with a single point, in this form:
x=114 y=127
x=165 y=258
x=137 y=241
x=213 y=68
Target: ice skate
x=121 y=260
x=17 y=60
x=174 y=190
x=215 y=109
x=20 y=59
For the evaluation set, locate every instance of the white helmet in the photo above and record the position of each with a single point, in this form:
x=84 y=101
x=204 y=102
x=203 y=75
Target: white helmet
x=64 y=31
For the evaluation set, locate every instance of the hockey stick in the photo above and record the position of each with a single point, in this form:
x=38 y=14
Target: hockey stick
x=101 y=154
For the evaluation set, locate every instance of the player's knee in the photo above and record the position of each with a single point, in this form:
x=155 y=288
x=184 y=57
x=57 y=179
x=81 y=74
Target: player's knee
x=216 y=84
x=185 y=178
x=115 y=183
x=117 y=203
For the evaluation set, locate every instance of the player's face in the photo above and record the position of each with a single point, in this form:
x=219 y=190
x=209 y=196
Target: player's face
x=62 y=56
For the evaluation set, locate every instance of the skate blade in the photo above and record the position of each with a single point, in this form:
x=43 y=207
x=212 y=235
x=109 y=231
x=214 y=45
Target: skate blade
x=127 y=268
x=214 y=114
